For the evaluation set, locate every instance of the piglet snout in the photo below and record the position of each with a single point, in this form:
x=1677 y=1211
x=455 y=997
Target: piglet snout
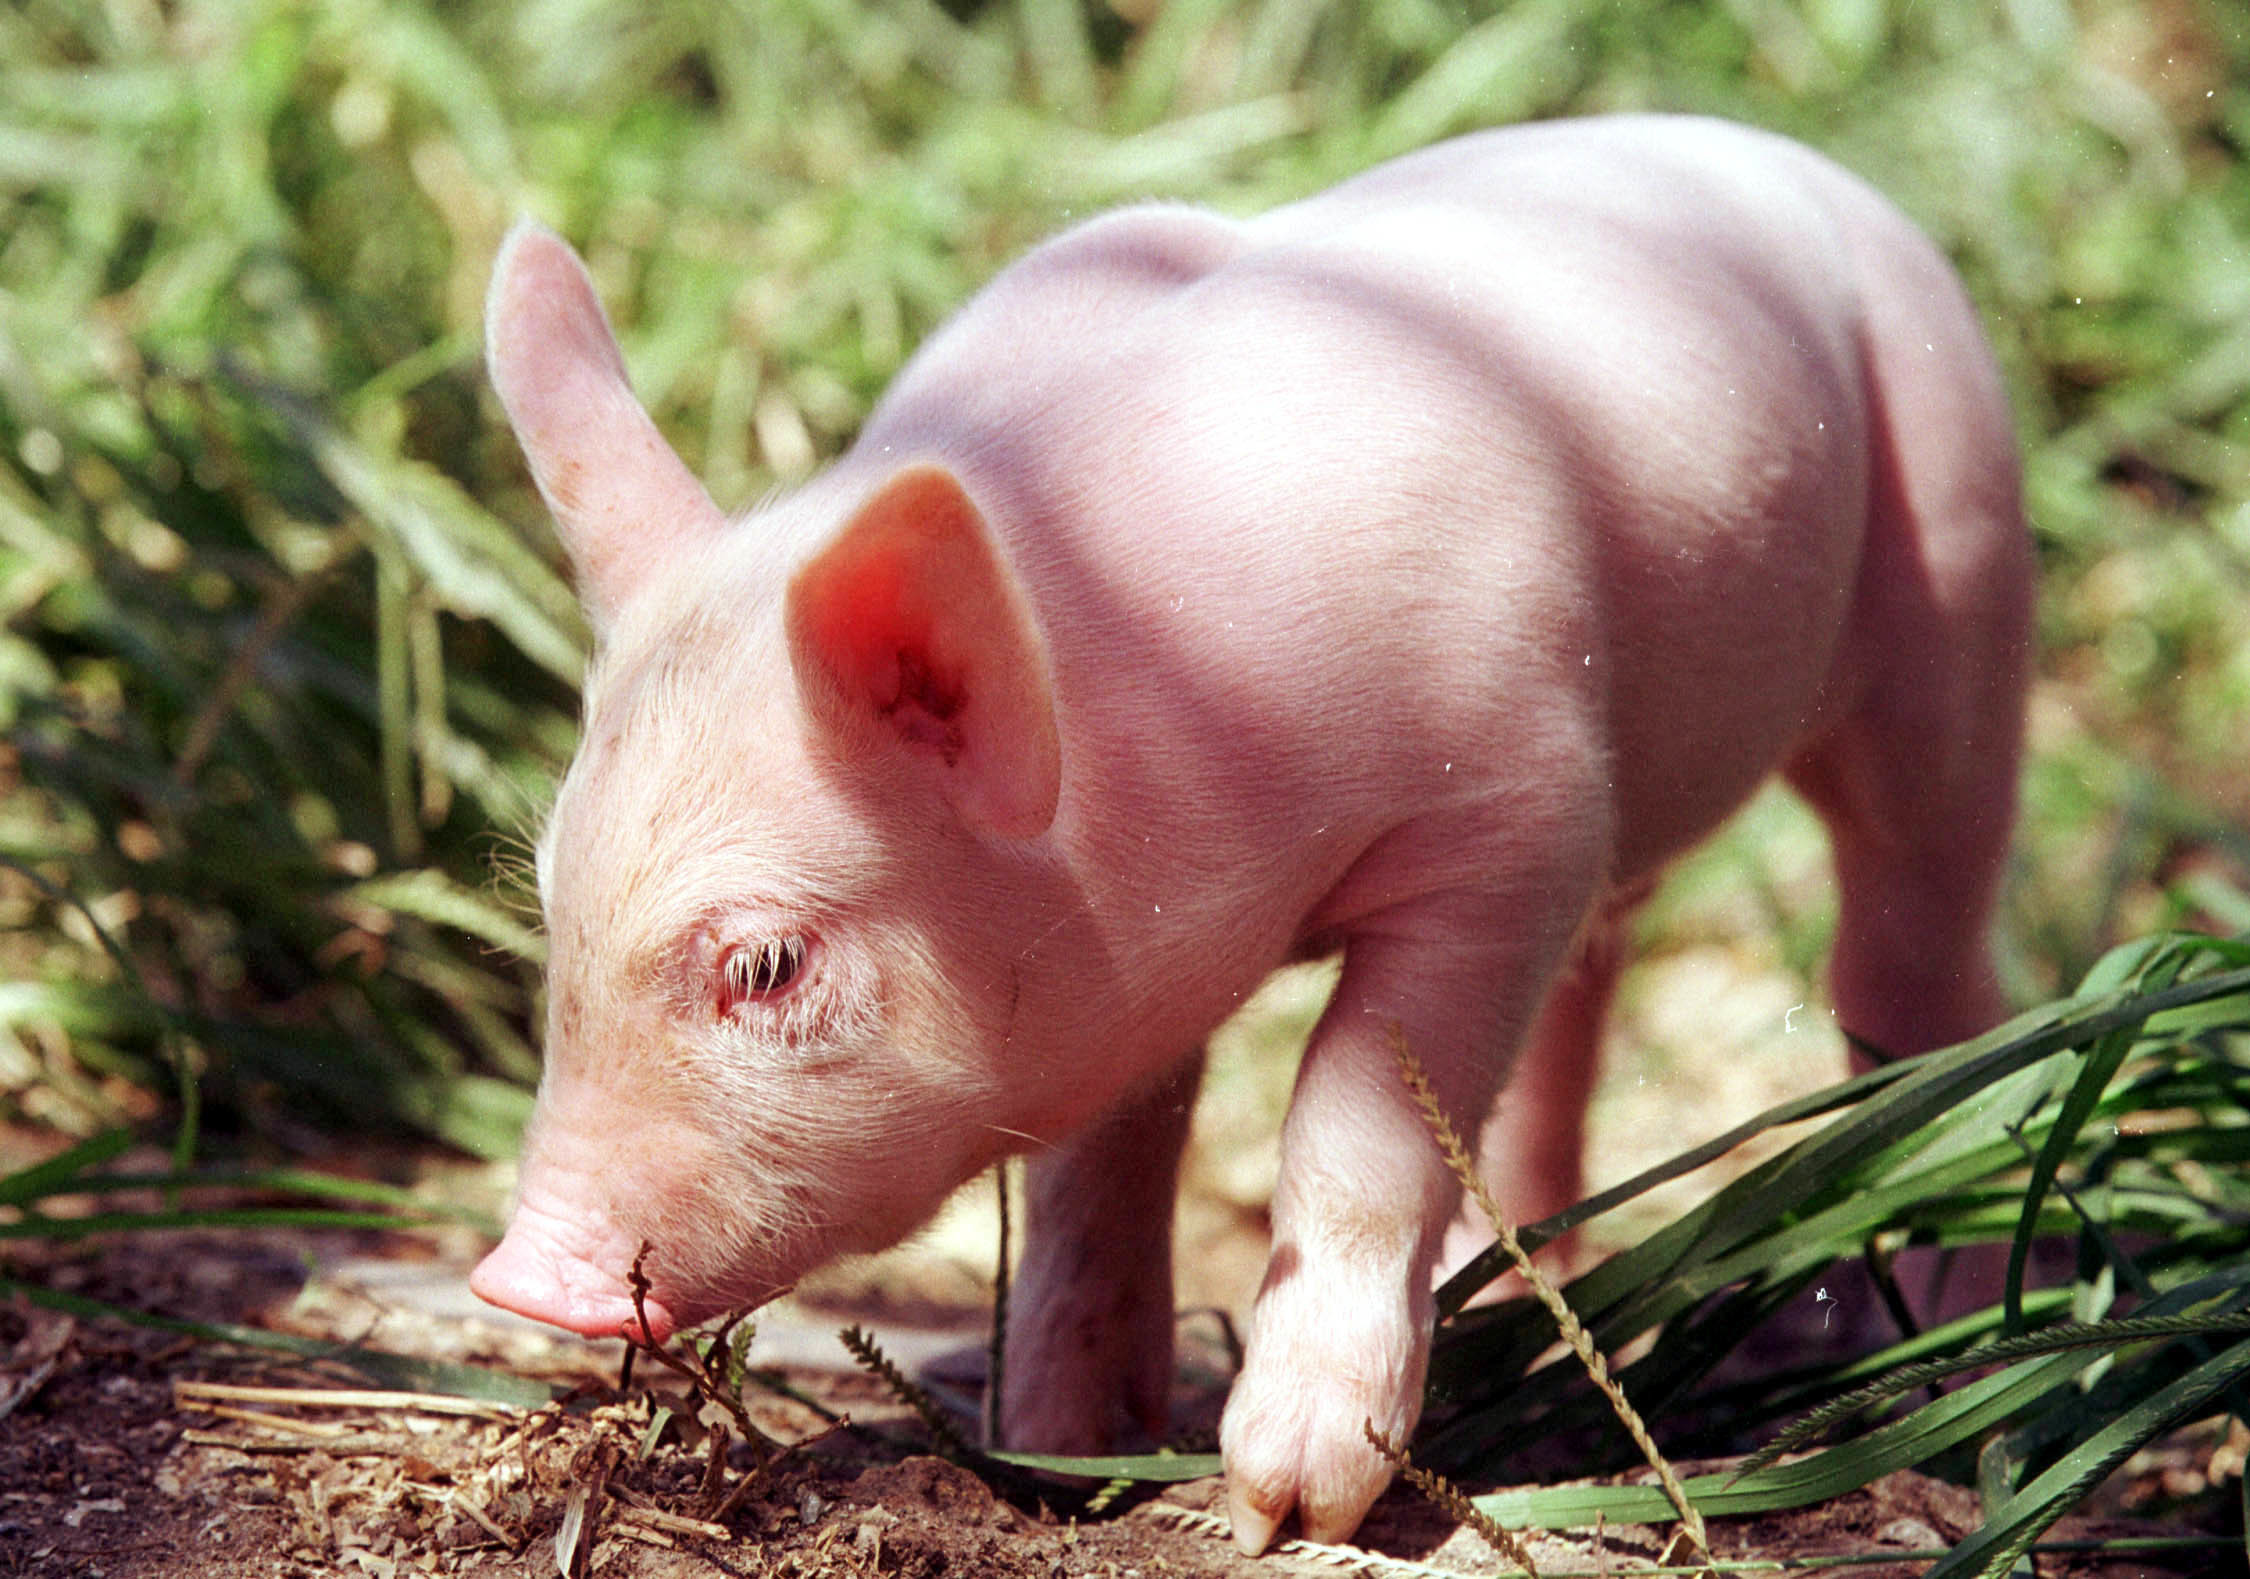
x=569 y=1273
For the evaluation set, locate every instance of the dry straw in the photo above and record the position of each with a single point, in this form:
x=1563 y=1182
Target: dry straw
x=1566 y=1320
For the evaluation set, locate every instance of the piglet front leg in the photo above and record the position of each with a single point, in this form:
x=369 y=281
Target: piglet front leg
x=1089 y=1357
x=1340 y=1335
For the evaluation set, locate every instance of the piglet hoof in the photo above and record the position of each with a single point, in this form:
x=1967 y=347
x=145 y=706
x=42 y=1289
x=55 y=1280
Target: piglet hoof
x=1295 y=1432
x=1308 y=1455
x=1085 y=1413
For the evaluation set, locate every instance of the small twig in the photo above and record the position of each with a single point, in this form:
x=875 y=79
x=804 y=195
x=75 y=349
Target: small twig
x=742 y=1488
x=461 y=1502
x=185 y=1392
x=710 y=1375
x=996 y=1353
x=1566 y=1320
x=363 y=1444
x=286 y=1424
x=741 y=1493
x=706 y=1375
x=674 y=1523
x=1453 y=1500
x=280 y=612
x=714 y=1489
x=636 y=1279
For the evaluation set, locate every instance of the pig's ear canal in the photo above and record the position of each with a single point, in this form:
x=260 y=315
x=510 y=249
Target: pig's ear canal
x=622 y=500
x=909 y=629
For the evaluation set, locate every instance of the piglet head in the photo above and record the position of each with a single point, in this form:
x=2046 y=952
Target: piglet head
x=790 y=877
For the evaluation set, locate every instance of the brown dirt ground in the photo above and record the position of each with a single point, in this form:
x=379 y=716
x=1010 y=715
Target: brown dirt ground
x=112 y=1466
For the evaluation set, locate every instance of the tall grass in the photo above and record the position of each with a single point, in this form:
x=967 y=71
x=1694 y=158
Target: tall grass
x=2112 y=1121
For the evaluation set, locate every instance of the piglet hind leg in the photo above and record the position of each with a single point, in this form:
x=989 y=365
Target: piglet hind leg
x=1530 y=1148
x=1089 y=1355
x=1917 y=779
x=1339 y=1339
x=1917 y=790
x=1919 y=826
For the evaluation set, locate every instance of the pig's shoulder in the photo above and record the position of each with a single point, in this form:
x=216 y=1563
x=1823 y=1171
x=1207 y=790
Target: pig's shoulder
x=1082 y=293
x=1145 y=248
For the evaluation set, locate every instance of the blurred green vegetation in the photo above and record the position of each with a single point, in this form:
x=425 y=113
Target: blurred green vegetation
x=286 y=660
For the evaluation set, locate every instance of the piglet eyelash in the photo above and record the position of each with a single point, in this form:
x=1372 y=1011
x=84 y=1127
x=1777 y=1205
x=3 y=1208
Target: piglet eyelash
x=761 y=969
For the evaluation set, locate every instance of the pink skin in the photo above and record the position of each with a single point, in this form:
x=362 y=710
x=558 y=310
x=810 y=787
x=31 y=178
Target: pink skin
x=560 y=1267
x=1410 y=573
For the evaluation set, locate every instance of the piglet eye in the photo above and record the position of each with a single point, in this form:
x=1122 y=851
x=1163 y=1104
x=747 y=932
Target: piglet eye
x=758 y=970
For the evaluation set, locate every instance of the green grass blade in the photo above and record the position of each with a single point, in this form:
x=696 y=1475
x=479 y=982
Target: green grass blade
x=1150 y=1468
x=66 y=1230
x=1506 y=68
x=1993 y=1549
x=474 y=563
x=64 y=1171
x=1464 y=1284
x=1062 y=56
x=433 y=896
x=23 y=1188
x=1957 y=1417
x=401 y=1371
x=2097 y=1069
x=2057 y=1339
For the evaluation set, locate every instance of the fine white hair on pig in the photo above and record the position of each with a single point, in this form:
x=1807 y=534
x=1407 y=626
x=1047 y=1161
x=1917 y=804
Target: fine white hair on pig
x=765 y=968
x=1407 y=574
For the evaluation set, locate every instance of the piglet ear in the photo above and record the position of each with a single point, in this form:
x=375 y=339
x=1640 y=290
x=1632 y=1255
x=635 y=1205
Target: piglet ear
x=622 y=500
x=908 y=629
